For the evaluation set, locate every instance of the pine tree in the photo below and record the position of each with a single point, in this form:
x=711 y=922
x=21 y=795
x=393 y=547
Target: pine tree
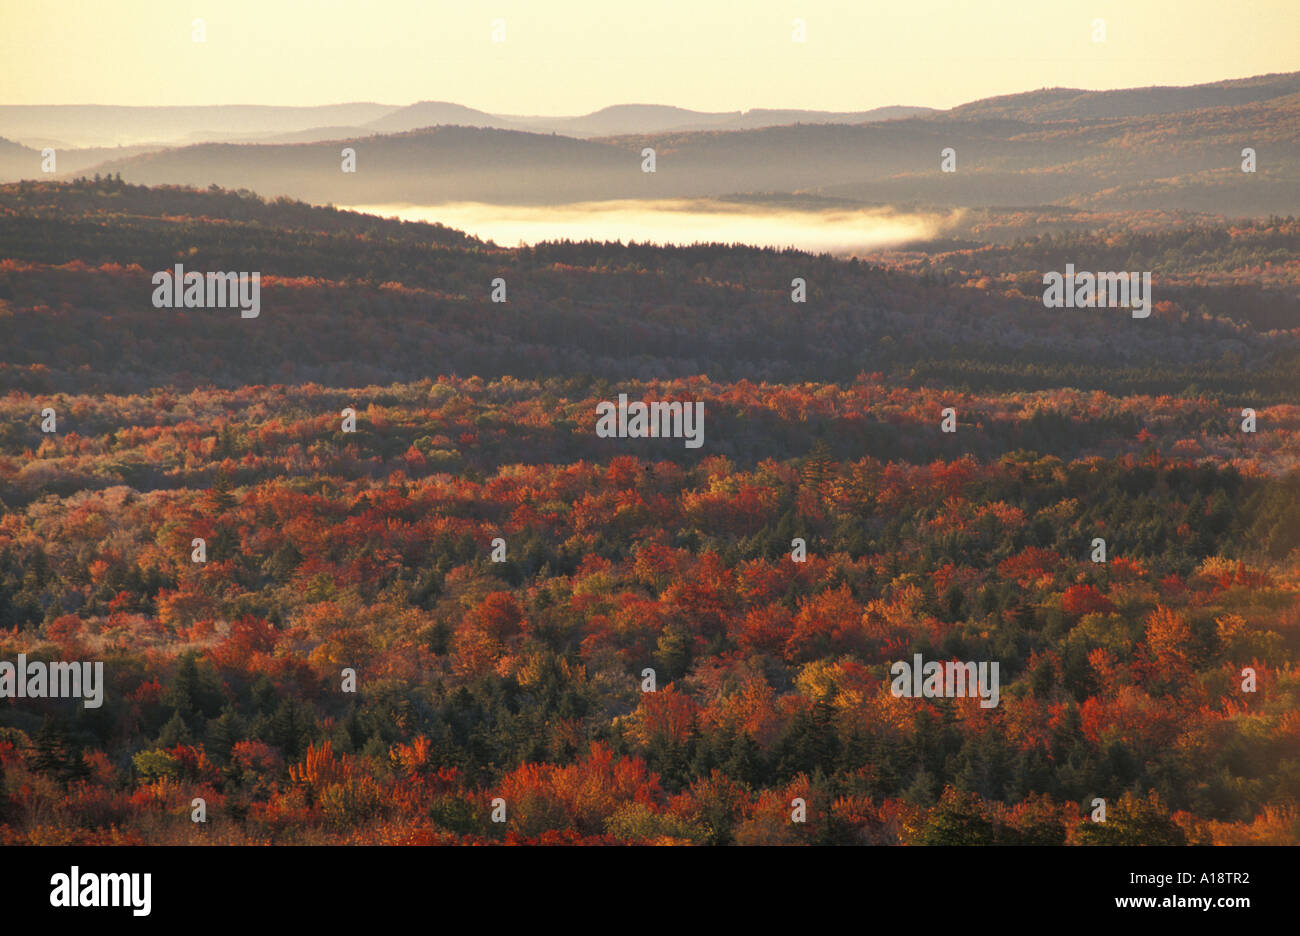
x=174 y=732
x=221 y=497
x=49 y=749
x=818 y=468
x=223 y=734
x=184 y=688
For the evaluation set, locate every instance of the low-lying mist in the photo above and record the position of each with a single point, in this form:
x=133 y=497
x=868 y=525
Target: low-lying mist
x=678 y=221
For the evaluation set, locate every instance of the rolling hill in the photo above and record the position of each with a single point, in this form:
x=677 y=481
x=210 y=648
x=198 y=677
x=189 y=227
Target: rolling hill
x=1187 y=160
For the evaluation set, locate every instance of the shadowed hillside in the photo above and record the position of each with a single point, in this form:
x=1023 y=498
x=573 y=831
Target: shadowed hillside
x=1188 y=160
x=348 y=298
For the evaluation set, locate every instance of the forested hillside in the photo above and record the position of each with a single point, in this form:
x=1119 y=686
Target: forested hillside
x=1189 y=159
x=496 y=579
x=352 y=300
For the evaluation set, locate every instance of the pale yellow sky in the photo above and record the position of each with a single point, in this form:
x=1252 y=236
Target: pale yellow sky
x=574 y=56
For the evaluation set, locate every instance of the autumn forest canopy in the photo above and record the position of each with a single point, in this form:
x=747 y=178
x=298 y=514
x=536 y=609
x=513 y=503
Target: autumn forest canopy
x=517 y=672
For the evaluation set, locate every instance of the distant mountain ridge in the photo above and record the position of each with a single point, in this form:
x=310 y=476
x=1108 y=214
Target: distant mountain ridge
x=94 y=125
x=1144 y=148
x=86 y=125
x=1172 y=161
x=26 y=162
x=1077 y=104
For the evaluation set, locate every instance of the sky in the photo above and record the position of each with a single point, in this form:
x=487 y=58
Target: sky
x=576 y=56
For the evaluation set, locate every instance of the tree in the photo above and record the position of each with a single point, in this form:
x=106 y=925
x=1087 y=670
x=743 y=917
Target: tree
x=1132 y=820
x=958 y=819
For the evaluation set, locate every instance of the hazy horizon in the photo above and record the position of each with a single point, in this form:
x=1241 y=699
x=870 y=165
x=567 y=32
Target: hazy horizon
x=578 y=56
